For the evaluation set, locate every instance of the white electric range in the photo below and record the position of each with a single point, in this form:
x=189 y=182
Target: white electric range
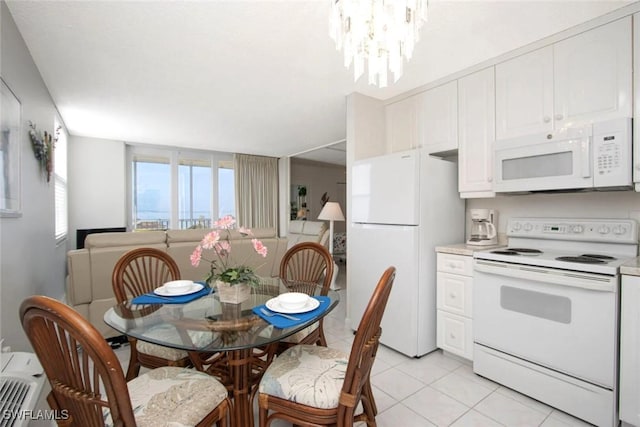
x=546 y=312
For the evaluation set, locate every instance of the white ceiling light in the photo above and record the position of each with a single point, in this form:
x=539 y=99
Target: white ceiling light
x=382 y=32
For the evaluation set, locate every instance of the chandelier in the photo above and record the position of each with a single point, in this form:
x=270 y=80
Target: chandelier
x=382 y=32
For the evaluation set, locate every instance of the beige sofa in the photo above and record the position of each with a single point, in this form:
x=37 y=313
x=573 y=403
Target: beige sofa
x=89 y=289
x=308 y=231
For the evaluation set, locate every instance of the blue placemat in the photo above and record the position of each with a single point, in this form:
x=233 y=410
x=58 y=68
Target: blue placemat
x=152 y=298
x=283 y=322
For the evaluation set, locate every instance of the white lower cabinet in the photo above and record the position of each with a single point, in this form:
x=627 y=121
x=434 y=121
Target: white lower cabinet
x=630 y=351
x=454 y=296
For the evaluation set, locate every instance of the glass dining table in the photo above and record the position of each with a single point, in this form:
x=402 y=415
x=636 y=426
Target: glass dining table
x=234 y=334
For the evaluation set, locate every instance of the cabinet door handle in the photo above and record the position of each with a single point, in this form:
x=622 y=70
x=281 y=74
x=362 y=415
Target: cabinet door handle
x=452 y=336
x=559 y=117
x=546 y=119
x=452 y=295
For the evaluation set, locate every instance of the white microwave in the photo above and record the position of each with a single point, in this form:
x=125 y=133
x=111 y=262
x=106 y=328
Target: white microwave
x=596 y=156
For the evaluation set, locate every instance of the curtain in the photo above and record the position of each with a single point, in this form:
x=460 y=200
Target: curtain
x=256 y=180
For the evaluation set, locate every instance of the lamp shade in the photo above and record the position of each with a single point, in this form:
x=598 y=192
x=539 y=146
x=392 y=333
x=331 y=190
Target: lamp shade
x=331 y=212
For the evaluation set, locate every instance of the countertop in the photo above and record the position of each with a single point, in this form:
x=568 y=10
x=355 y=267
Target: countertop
x=464 y=249
x=631 y=267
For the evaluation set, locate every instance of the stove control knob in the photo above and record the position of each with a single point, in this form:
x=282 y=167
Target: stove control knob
x=577 y=229
x=618 y=230
x=604 y=230
x=517 y=226
x=528 y=227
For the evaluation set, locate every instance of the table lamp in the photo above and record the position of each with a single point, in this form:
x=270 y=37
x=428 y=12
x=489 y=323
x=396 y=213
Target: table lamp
x=331 y=212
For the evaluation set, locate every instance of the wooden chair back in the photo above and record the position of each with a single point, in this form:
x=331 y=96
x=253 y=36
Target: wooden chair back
x=305 y=266
x=84 y=372
x=142 y=270
x=364 y=348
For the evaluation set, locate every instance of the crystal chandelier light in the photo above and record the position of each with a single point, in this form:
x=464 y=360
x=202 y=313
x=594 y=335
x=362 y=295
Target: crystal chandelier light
x=382 y=32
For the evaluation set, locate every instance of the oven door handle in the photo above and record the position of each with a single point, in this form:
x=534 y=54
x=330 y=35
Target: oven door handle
x=576 y=279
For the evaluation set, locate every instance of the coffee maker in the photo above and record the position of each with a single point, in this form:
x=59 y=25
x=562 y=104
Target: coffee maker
x=483 y=229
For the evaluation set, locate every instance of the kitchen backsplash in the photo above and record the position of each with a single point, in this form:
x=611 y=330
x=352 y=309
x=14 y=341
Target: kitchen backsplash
x=612 y=204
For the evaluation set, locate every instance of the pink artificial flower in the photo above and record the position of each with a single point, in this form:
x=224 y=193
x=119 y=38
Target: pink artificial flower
x=223 y=248
x=245 y=231
x=259 y=247
x=196 y=256
x=210 y=239
x=225 y=222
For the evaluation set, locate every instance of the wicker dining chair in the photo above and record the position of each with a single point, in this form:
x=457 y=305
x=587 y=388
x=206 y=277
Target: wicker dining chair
x=88 y=387
x=303 y=268
x=138 y=272
x=314 y=385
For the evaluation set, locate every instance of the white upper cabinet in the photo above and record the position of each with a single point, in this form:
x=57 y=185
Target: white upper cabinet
x=476 y=131
x=579 y=80
x=593 y=73
x=524 y=94
x=438 y=118
x=402 y=125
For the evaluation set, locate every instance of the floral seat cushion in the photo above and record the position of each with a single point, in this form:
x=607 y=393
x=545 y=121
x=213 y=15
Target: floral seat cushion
x=300 y=335
x=339 y=243
x=170 y=396
x=307 y=374
x=165 y=333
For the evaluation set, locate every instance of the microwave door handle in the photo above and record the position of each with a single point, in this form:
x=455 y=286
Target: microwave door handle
x=585 y=157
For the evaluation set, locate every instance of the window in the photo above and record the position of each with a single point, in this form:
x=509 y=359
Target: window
x=60 y=182
x=194 y=194
x=177 y=189
x=151 y=193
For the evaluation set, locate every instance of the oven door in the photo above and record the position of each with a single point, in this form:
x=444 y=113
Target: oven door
x=544 y=165
x=563 y=320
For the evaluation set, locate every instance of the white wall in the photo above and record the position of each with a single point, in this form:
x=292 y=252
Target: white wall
x=30 y=261
x=97 y=184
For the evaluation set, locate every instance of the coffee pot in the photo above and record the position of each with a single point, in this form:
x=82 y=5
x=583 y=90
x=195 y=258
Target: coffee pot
x=483 y=229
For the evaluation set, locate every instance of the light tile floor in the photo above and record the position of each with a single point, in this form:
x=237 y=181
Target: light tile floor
x=435 y=390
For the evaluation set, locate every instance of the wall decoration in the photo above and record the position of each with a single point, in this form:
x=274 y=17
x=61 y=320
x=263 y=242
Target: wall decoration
x=299 y=208
x=10 y=132
x=324 y=199
x=43 y=145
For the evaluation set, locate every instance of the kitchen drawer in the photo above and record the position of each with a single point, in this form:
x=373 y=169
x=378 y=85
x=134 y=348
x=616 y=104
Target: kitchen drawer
x=455 y=334
x=454 y=293
x=456 y=264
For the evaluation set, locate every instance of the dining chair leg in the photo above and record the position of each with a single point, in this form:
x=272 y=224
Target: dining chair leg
x=367 y=392
x=134 y=365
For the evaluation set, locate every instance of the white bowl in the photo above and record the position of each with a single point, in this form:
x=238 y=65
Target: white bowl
x=178 y=286
x=293 y=300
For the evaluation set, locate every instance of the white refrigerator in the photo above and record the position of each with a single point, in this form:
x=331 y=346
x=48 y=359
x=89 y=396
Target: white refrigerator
x=403 y=205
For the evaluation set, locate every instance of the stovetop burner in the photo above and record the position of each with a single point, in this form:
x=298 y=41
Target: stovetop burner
x=581 y=259
x=603 y=257
x=527 y=251
x=505 y=252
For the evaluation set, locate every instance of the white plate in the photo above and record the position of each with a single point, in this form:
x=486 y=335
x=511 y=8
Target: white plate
x=194 y=288
x=274 y=305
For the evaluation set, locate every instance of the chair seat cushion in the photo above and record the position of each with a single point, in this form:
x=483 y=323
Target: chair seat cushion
x=307 y=374
x=164 y=333
x=175 y=397
x=300 y=335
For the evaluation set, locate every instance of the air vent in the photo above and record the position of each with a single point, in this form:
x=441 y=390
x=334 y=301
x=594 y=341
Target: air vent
x=17 y=395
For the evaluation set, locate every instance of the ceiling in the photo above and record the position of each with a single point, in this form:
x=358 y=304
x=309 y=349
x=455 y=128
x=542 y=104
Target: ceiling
x=257 y=77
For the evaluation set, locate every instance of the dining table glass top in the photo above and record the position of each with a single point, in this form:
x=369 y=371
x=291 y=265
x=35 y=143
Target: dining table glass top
x=207 y=325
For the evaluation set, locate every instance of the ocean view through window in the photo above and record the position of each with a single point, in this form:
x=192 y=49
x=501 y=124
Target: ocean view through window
x=171 y=189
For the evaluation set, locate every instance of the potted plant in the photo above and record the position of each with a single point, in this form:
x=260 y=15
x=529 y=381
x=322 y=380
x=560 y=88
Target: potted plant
x=233 y=279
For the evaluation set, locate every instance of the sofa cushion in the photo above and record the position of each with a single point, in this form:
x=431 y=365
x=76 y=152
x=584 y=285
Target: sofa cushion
x=137 y=239
x=307 y=231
